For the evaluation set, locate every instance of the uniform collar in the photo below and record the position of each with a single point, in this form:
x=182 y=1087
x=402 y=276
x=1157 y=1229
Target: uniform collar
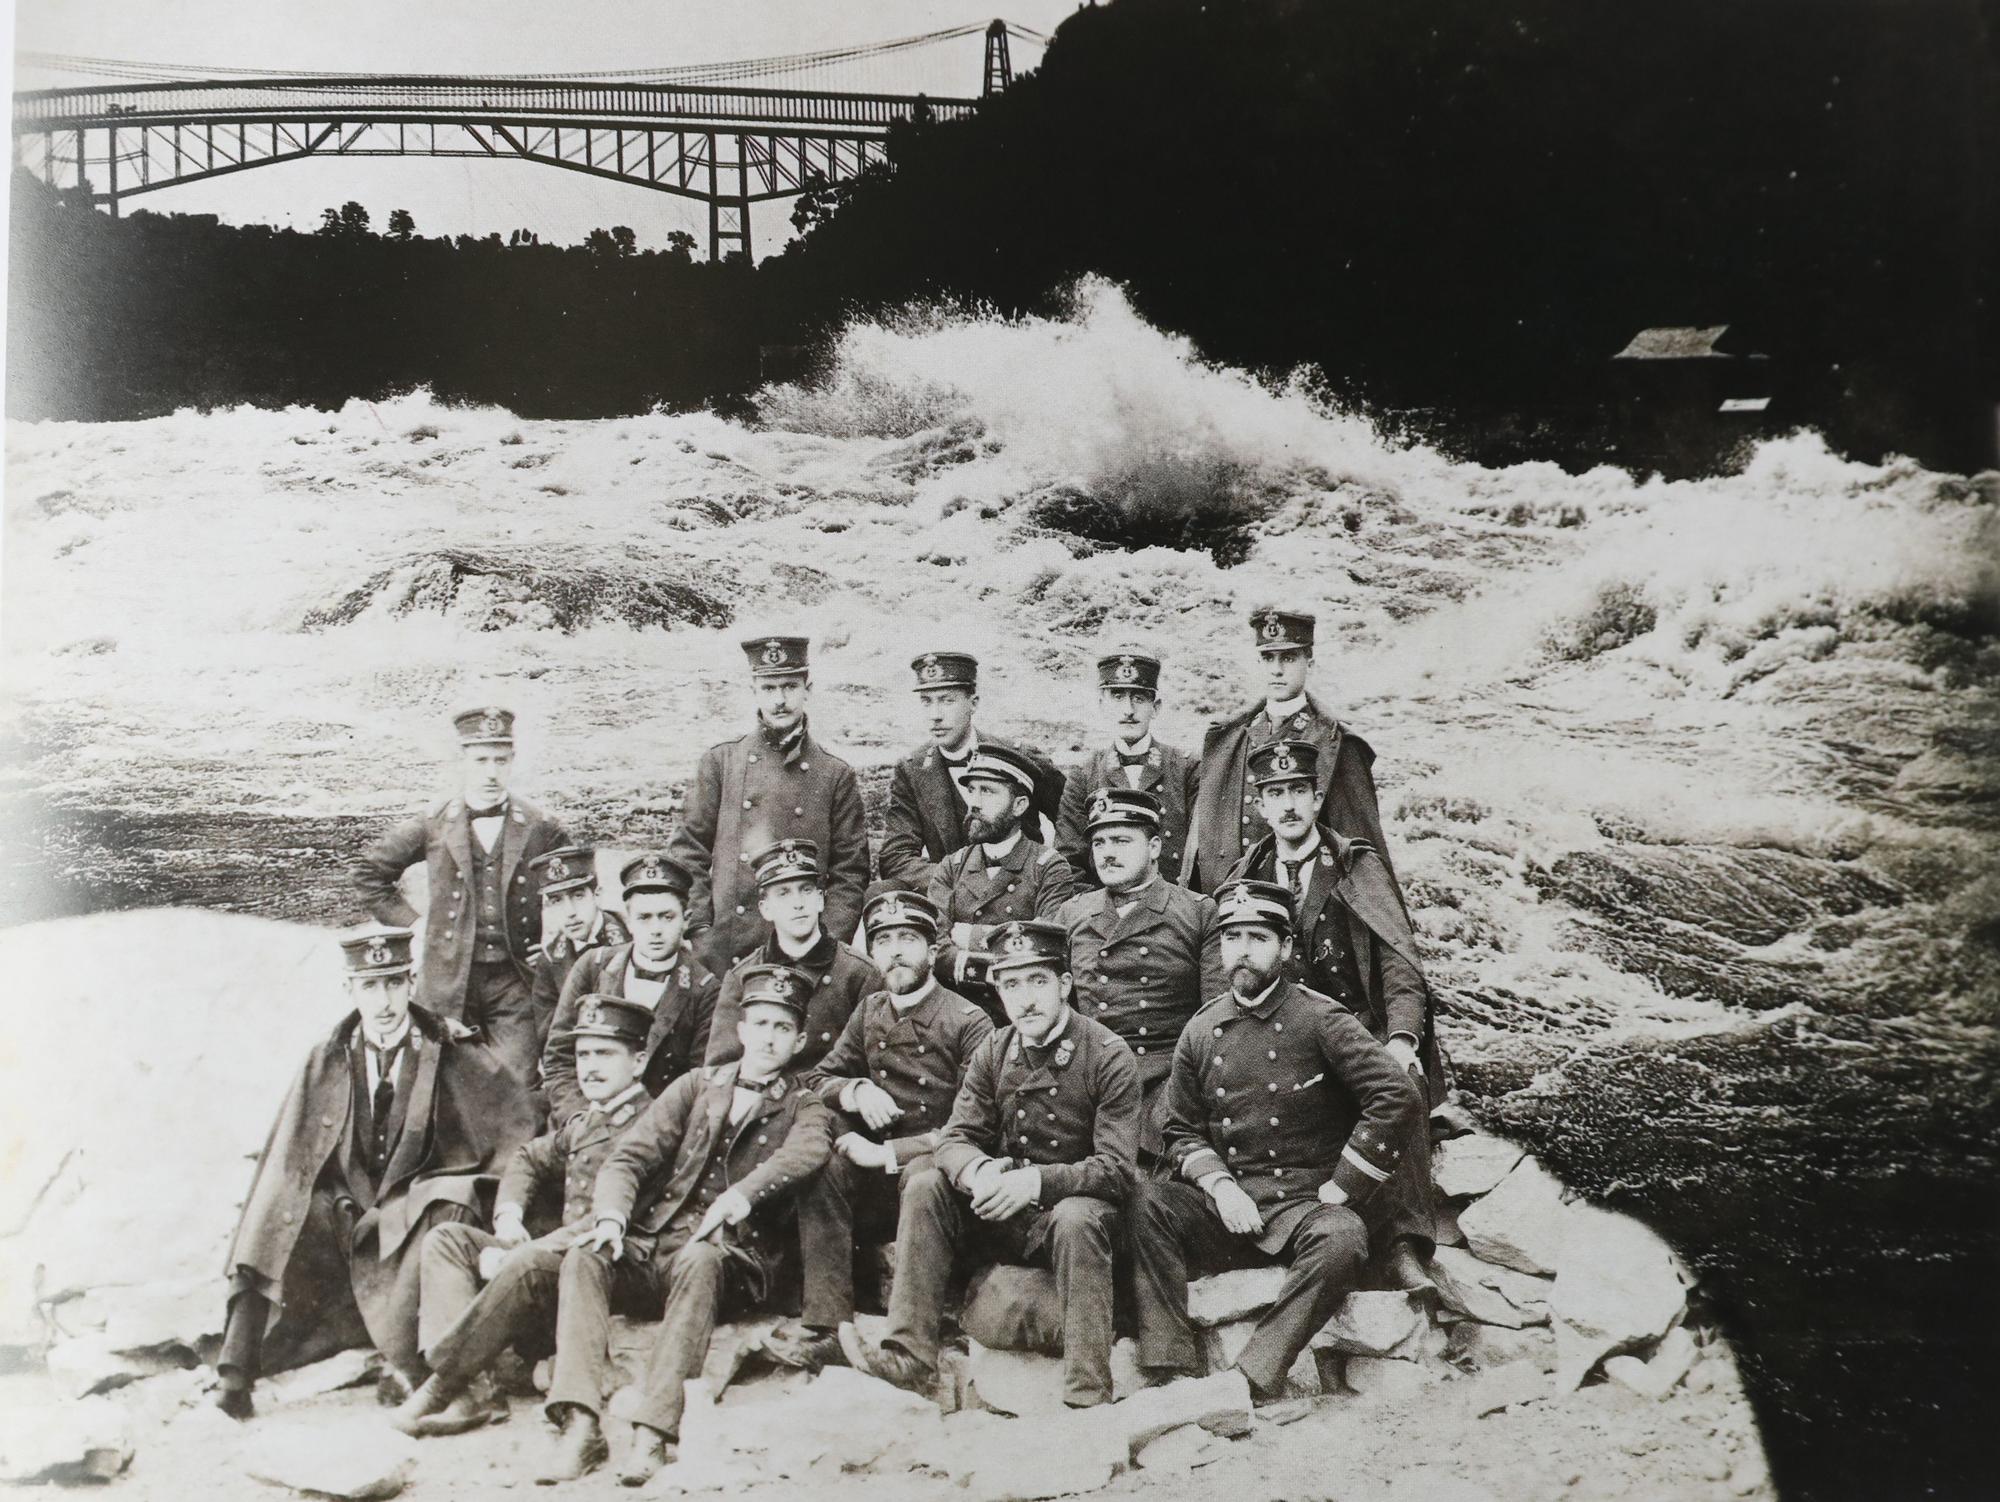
x=1055 y=1035
x=996 y=854
x=1306 y=852
x=1143 y=746
x=1276 y=710
x=409 y=1034
x=904 y=1005
x=630 y=1092
x=964 y=753
x=818 y=957
x=1260 y=1004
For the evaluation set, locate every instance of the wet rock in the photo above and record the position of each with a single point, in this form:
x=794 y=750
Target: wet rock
x=1234 y=1295
x=1504 y=1386
x=1520 y=1224
x=1181 y=1449
x=345 y=1369
x=1460 y=1283
x=1371 y=1324
x=1385 y=1377
x=1473 y=1165
x=358 y=1460
x=84 y=1441
x=1485 y=1346
x=1619 y=1286
x=1659 y=1374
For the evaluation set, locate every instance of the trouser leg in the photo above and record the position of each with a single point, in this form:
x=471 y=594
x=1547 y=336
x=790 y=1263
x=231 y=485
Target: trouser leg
x=243 y=1339
x=696 y=1277
x=583 y=1330
x=1407 y=1209
x=930 y=1227
x=390 y=1289
x=841 y=1205
x=1080 y=1236
x=448 y=1279
x=499 y=1003
x=1171 y=1224
x=521 y=1297
x=1327 y=1251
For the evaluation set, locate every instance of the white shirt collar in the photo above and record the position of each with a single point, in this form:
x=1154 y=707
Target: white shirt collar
x=1305 y=852
x=1123 y=900
x=402 y=1033
x=1000 y=851
x=1143 y=746
x=606 y=1107
x=963 y=752
x=1276 y=710
x=1256 y=1003
x=916 y=997
x=785 y=948
x=1056 y=1031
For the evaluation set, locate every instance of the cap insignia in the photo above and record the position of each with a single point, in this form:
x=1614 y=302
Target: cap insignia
x=930 y=669
x=652 y=870
x=558 y=869
x=1100 y=806
x=1017 y=940
x=1284 y=761
x=774 y=653
x=1127 y=671
x=1273 y=628
x=492 y=723
x=592 y=1015
x=378 y=953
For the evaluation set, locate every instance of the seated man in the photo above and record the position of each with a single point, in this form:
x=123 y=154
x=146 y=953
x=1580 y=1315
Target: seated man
x=461 y=1327
x=690 y=1209
x=791 y=894
x=1034 y=1167
x=573 y=921
x=1284 y=1118
x=658 y=969
x=893 y=1075
x=391 y=1127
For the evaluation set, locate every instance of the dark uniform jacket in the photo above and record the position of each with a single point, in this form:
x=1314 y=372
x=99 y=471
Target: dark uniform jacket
x=559 y=1168
x=918 y=1056
x=674 y=1044
x=745 y=795
x=1144 y=975
x=1226 y=822
x=442 y=840
x=555 y=957
x=1031 y=881
x=1169 y=775
x=461 y=1117
x=926 y=818
x=841 y=978
x=675 y=1161
x=1070 y=1109
x=1285 y=1099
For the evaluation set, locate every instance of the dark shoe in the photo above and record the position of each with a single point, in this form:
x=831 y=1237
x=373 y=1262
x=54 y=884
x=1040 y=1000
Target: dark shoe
x=1405 y=1268
x=415 y=1411
x=1260 y=1397
x=577 y=1450
x=479 y=1405
x=805 y=1347
x=235 y=1401
x=886 y=1363
x=392 y=1388
x=649 y=1450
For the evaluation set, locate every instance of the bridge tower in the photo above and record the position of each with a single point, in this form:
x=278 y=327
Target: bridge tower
x=999 y=66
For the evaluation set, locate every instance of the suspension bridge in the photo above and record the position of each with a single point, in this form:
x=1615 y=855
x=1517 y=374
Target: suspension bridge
x=729 y=134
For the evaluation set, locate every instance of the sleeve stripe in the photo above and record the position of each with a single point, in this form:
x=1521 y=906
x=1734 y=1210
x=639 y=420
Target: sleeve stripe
x=1197 y=1165
x=1379 y=1175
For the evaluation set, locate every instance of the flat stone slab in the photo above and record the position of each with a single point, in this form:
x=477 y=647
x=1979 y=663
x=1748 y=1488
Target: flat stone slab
x=1475 y=1289
x=89 y=1440
x=1505 y=1386
x=1371 y=1323
x=1660 y=1373
x=1473 y=1164
x=1520 y=1224
x=343 y=1369
x=1620 y=1286
x=358 y=1460
x=1235 y=1295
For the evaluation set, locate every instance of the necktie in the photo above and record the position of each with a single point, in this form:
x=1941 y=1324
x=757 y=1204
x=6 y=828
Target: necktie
x=384 y=1099
x=1293 y=877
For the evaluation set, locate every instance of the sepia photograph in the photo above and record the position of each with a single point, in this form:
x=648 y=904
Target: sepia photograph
x=859 y=751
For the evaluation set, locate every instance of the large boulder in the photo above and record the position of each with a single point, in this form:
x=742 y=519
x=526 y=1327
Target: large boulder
x=1619 y=1286
x=1477 y=1289
x=1520 y=1224
x=1239 y=1294
x=1372 y=1323
x=358 y=1460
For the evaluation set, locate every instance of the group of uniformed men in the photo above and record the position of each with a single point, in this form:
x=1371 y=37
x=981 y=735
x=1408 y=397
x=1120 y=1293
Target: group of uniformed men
x=1186 y=1031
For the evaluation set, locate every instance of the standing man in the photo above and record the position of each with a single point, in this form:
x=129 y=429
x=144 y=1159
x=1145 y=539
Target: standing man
x=692 y=1206
x=892 y=1078
x=1034 y=1167
x=791 y=898
x=927 y=806
x=776 y=783
x=391 y=1127
x=464 y=1327
x=483 y=922
x=1284 y=1120
x=1001 y=875
x=658 y=969
x=572 y=922
x=1352 y=942
x=1128 y=689
x=1226 y=821
x=1147 y=953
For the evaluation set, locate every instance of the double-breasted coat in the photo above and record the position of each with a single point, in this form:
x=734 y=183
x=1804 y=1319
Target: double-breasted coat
x=841 y=977
x=1029 y=881
x=442 y=839
x=556 y=956
x=558 y=1170
x=747 y=794
x=926 y=816
x=674 y=1044
x=1169 y=774
x=917 y=1055
x=1226 y=822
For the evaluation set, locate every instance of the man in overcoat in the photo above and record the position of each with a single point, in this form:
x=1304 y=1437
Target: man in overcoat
x=776 y=783
x=926 y=816
x=574 y=921
x=1128 y=688
x=1284 y=1121
x=1034 y=1167
x=483 y=920
x=390 y=1127
x=658 y=969
x=1226 y=820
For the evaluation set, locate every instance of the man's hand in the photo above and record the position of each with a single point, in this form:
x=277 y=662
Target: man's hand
x=508 y=1230
x=865 y=1152
x=999 y=1196
x=875 y=1105
x=1406 y=1053
x=1239 y=1212
x=729 y=1208
x=606 y=1236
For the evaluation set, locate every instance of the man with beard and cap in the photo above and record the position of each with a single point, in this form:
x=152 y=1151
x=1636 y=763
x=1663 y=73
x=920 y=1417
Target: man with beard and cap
x=692 y=1208
x=892 y=1076
x=927 y=806
x=1226 y=820
x=463 y=1328
x=390 y=1128
x=776 y=783
x=1352 y=942
x=1034 y=1167
x=573 y=921
x=1128 y=688
x=658 y=969
x=1284 y=1121
x=1146 y=953
x=791 y=898
x=483 y=920
x=1001 y=875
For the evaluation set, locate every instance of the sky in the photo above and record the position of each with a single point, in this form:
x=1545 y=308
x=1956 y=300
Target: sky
x=452 y=196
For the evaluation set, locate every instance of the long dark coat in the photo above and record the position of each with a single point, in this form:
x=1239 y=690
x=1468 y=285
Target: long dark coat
x=1170 y=775
x=1226 y=822
x=926 y=817
x=674 y=1043
x=555 y=957
x=442 y=840
x=841 y=977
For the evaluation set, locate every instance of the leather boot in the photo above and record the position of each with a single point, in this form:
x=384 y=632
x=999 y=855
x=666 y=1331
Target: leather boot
x=236 y=1402
x=577 y=1449
x=896 y=1367
x=649 y=1450
x=804 y=1347
x=433 y=1397
x=1404 y=1267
